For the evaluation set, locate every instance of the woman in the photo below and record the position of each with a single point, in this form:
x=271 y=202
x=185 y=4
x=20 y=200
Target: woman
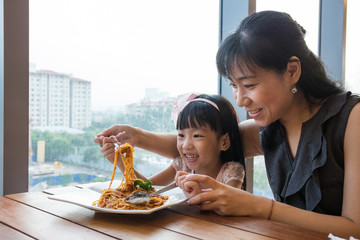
x=307 y=128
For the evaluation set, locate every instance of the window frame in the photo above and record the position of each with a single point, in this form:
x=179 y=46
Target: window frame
x=14 y=96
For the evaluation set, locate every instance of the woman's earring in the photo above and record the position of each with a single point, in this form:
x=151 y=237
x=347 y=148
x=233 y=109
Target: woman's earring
x=294 y=90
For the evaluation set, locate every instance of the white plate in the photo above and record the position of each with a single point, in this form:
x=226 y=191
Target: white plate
x=86 y=196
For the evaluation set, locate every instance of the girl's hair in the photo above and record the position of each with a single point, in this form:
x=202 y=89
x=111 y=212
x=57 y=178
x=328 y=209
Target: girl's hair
x=268 y=40
x=198 y=114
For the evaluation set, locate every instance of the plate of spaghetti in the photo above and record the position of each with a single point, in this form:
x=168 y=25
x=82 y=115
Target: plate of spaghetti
x=102 y=197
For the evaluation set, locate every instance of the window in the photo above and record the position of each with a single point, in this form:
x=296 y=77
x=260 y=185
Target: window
x=352 y=71
x=110 y=56
x=306 y=13
x=13 y=162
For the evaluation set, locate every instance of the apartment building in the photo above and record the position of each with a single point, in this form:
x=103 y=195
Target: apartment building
x=57 y=99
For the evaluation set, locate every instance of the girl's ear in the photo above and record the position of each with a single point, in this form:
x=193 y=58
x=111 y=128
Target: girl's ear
x=224 y=142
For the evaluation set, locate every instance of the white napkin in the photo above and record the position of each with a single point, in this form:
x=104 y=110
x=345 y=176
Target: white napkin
x=332 y=237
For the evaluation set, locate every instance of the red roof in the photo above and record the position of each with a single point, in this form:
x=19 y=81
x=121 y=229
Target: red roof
x=50 y=72
x=78 y=80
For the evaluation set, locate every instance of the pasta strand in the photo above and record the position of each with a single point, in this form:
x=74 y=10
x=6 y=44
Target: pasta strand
x=115 y=198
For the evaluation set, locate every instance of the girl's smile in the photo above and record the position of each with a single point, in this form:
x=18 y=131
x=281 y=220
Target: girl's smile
x=191 y=157
x=200 y=148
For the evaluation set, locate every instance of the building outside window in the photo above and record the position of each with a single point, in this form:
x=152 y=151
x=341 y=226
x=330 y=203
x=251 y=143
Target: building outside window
x=105 y=62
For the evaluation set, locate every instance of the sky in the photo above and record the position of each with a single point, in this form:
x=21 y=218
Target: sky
x=124 y=46
x=352 y=70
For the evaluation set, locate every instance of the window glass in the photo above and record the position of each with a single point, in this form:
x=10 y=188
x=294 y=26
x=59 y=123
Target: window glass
x=352 y=71
x=94 y=63
x=306 y=14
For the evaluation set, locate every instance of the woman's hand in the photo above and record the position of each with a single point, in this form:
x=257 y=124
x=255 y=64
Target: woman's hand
x=122 y=133
x=190 y=188
x=224 y=199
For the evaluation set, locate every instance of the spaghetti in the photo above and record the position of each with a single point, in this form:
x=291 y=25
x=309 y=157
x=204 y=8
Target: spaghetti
x=115 y=198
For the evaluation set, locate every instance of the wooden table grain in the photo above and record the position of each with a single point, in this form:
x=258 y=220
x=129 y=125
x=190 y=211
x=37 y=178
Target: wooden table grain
x=33 y=215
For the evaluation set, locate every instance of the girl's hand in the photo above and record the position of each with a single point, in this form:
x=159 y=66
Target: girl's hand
x=223 y=199
x=190 y=188
x=108 y=150
x=122 y=133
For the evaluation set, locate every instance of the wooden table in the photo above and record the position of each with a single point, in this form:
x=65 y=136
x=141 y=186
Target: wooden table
x=33 y=216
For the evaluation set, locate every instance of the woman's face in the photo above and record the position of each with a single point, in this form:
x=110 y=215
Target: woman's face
x=265 y=95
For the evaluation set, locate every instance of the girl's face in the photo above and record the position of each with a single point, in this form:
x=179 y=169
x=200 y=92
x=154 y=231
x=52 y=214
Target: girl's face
x=200 y=148
x=265 y=95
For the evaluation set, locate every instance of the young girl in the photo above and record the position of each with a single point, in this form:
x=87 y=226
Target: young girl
x=208 y=143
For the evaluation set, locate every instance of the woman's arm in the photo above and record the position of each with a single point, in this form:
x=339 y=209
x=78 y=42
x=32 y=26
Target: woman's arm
x=250 y=136
x=351 y=195
x=221 y=200
x=227 y=200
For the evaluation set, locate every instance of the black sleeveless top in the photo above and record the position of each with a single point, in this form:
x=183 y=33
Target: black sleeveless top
x=314 y=179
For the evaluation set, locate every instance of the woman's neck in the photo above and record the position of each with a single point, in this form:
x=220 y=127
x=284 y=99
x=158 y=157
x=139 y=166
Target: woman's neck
x=293 y=121
x=298 y=113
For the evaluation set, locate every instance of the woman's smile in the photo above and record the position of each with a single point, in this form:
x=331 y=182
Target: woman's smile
x=254 y=113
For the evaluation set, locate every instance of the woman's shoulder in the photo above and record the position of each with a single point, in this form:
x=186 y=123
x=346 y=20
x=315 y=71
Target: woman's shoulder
x=335 y=109
x=349 y=105
x=354 y=117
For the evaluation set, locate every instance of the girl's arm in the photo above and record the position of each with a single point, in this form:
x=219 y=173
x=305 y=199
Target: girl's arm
x=162 y=144
x=163 y=177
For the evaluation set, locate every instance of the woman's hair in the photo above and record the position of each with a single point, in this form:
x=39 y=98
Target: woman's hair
x=268 y=40
x=198 y=114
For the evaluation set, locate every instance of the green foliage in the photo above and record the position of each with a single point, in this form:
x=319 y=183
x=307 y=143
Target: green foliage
x=66 y=179
x=57 y=145
x=60 y=145
x=99 y=179
x=92 y=154
x=260 y=178
x=144 y=185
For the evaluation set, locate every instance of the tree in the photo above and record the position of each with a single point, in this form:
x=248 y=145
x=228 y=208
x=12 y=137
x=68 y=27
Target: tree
x=56 y=148
x=92 y=154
